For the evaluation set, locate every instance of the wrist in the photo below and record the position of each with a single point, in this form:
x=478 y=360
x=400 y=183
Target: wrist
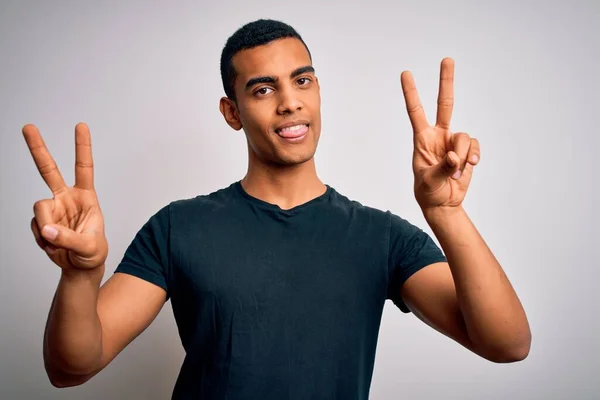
x=78 y=275
x=442 y=213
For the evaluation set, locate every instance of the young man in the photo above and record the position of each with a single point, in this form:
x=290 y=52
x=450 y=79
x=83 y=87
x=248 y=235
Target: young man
x=277 y=282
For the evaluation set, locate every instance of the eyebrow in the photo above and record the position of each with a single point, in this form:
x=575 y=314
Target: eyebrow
x=272 y=79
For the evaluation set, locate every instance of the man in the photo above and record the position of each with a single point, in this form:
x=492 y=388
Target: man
x=277 y=282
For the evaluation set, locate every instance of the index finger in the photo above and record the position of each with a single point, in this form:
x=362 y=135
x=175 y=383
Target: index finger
x=445 y=94
x=42 y=158
x=414 y=107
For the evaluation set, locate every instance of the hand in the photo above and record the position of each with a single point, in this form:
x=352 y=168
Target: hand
x=70 y=226
x=442 y=161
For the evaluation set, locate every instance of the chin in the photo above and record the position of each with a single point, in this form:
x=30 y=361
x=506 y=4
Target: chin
x=293 y=158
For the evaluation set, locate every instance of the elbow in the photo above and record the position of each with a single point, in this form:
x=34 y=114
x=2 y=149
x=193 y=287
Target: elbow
x=512 y=355
x=60 y=384
x=62 y=372
x=61 y=379
x=65 y=381
x=515 y=352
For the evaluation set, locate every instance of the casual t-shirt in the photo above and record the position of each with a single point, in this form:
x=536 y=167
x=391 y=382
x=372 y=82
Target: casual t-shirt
x=272 y=303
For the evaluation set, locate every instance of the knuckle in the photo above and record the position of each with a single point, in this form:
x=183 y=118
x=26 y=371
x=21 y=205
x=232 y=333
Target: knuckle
x=47 y=169
x=82 y=164
x=461 y=139
x=415 y=109
x=446 y=102
x=88 y=245
x=38 y=206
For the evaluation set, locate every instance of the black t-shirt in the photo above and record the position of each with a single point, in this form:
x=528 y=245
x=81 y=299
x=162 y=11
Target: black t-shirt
x=272 y=303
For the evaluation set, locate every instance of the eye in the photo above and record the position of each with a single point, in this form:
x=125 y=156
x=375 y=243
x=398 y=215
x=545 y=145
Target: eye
x=304 y=81
x=263 y=91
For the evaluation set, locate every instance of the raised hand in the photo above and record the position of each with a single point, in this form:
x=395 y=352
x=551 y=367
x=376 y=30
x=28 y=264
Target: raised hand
x=70 y=226
x=442 y=161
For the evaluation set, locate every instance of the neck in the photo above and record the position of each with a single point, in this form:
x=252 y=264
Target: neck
x=285 y=186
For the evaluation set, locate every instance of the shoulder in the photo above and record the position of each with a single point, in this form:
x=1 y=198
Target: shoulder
x=396 y=224
x=199 y=206
x=212 y=201
x=352 y=207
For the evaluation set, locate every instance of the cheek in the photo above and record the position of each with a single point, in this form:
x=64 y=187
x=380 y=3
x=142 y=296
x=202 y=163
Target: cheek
x=316 y=111
x=257 y=123
x=315 y=103
x=256 y=117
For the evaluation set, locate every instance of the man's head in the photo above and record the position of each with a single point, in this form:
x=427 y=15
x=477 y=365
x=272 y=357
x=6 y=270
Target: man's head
x=272 y=92
x=249 y=36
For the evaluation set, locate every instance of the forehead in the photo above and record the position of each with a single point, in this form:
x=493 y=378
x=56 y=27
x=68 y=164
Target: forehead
x=279 y=57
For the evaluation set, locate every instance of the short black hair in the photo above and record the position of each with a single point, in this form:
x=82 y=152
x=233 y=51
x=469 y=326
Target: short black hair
x=251 y=35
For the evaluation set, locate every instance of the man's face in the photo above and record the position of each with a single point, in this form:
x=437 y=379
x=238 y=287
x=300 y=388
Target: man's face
x=278 y=101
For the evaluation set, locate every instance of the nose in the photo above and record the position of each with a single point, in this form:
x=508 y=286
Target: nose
x=289 y=101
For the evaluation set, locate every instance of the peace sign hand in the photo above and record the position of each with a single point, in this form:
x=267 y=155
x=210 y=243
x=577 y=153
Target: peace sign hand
x=70 y=226
x=442 y=161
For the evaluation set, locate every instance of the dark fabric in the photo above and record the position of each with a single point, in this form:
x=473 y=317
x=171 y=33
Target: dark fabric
x=272 y=303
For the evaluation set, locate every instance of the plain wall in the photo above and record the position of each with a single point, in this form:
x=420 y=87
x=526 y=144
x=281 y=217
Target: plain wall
x=145 y=77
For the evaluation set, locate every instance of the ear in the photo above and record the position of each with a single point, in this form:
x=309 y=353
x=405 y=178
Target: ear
x=230 y=113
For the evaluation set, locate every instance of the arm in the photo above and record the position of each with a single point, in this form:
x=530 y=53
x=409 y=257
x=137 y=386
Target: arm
x=89 y=326
x=469 y=299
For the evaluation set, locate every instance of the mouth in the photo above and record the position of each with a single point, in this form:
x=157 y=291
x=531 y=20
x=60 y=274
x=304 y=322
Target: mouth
x=293 y=132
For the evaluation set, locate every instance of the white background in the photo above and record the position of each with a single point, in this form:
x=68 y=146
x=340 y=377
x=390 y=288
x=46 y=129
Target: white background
x=145 y=77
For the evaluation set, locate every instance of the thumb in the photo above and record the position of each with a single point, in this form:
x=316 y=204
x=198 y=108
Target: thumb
x=64 y=238
x=448 y=167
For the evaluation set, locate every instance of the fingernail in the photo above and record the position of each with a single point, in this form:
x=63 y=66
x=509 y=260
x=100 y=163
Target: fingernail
x=50 y=250
x=49 y=232
x=474 y=158
x=457 y=174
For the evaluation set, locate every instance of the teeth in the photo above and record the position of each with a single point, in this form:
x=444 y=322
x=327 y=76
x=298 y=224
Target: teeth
x=292 y=128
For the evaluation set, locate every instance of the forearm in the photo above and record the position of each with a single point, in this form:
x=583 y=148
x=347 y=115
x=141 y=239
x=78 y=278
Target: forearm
x=493 y=315
x=73 y=336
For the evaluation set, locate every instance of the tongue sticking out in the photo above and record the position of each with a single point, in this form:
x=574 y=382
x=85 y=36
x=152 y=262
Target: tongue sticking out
x=293 y=132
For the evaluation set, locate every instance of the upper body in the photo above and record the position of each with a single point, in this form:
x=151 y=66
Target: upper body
x=278 y=270
x=273 y=303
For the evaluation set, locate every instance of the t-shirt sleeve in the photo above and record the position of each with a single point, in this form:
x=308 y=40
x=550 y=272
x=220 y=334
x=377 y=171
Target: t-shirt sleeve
x=410 y=249
x=147 y=256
